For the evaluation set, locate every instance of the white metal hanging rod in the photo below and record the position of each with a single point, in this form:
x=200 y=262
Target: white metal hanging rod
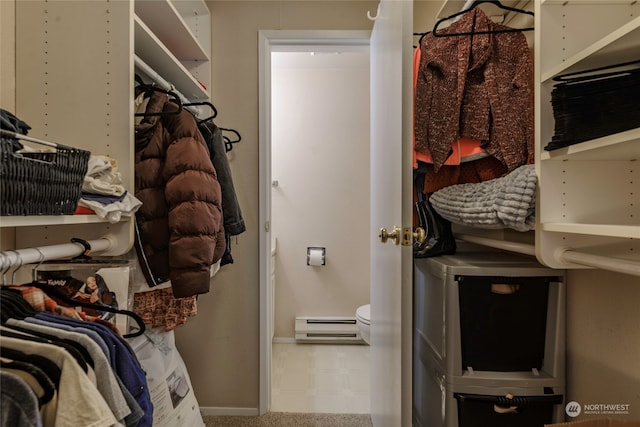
x=18 y=257
x=563 y=255
x=598 y=261
x=15 y=135
x=522 y=248
x=162 y=83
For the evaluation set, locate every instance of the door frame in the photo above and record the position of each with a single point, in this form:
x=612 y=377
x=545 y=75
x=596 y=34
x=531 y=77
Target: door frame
x=273 y=41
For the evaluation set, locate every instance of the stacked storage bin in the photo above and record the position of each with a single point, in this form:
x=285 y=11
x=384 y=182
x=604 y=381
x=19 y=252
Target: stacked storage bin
x=489 y=341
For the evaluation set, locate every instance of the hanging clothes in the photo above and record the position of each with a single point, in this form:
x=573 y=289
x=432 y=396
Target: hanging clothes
x=94 y=378
x=479 y=86
x=180 y=222
x=233 y=220
x=18 y=403
x=79 y=402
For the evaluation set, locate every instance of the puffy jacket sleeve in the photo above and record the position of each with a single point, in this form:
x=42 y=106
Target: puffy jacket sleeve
x=194 y=200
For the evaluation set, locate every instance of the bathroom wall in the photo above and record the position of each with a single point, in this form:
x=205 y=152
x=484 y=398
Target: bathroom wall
x=320 y=158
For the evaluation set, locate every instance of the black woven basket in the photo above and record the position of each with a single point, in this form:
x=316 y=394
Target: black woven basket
x=40 y=183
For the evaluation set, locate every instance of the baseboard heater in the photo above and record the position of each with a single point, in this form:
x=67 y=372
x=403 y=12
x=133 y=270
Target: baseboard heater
x=327 y=329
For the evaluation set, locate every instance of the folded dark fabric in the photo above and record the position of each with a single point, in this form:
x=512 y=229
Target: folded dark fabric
x=596 y=103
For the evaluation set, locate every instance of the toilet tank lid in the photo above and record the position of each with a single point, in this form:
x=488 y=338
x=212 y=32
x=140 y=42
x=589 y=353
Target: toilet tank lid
x=364 y=313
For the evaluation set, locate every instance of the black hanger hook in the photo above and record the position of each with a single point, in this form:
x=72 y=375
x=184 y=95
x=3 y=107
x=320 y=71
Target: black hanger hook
x=473 y=6
x=87 y=249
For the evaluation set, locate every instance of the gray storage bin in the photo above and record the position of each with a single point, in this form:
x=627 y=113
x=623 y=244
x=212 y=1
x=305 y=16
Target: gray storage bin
x=442 y=400
x=470 y=329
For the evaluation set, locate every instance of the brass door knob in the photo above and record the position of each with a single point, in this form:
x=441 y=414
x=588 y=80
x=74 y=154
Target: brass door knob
x=419 y=235
x=402 y=235
x=393 y=235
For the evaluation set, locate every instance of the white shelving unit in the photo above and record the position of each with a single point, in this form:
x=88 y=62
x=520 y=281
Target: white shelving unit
x=74 y=86
x=173 y=37
x=588 y=207
x=589 y=198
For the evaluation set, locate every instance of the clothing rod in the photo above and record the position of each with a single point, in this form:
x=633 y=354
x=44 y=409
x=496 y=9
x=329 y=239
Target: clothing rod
x=598 y=261
x=468 y=4
x=11 y=259
x=160 y=81
x=522 y=248
x=10 y=134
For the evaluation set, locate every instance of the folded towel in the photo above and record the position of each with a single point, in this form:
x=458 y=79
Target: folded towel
x=505 y=202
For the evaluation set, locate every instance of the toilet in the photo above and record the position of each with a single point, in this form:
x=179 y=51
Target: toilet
x=363 y=320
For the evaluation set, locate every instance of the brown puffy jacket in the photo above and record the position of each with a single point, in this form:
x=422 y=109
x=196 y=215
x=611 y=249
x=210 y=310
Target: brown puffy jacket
x=180 y=221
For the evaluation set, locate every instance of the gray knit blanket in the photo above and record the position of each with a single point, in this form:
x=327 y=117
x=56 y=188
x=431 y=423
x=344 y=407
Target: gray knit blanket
x=505 y=202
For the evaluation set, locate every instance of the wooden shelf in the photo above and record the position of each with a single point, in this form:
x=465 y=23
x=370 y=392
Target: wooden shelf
x=166 y=22
x=38 y=220
x=154 y=53
x=606 y=230
x=620 y=146
x=619 y=46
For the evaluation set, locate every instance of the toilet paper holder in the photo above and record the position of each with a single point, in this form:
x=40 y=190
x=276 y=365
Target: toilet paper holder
x=312 y=255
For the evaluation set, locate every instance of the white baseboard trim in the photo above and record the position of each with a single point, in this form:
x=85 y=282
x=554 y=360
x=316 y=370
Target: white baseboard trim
x=283 y=340
x=214 y=410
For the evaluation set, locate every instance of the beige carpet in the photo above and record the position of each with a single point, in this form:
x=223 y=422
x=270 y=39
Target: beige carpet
x=290 y=419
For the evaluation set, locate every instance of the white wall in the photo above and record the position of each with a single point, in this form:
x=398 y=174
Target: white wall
x=320 y=158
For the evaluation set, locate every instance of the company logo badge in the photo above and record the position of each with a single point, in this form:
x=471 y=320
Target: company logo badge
x=573 y=409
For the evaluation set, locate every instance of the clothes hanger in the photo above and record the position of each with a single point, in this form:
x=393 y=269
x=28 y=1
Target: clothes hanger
x=50 y=368
x=473 y=6
x=48 y=387
x=13 y=305
x=147 y=88
x=6 y=331
x=208 y=104
x=228 y=143
x=59 y=294
x=422 y=36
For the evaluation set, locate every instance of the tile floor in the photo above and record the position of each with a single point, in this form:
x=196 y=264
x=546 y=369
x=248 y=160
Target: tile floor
x=320 y=378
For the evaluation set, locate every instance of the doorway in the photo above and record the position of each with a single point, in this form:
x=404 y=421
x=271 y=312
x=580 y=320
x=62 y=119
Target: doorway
x=297 y=68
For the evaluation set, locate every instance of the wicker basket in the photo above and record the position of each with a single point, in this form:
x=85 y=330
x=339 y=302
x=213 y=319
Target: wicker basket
x=40 y=183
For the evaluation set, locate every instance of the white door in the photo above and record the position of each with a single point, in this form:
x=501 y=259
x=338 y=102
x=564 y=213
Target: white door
x=391 y=204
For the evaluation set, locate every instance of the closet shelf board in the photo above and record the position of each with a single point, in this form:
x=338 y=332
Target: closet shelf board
x=619 y=146
x=619 y=46
x=165 y=21
x=578 y=2
x=37 y=220
x=191 y=7
x=606 y=230
x=195 y=14
x=453 y=6
x=152 y=51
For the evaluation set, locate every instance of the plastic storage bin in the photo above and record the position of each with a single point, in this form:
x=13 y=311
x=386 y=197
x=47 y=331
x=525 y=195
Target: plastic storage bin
x=490 y=311
x=442 y=400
